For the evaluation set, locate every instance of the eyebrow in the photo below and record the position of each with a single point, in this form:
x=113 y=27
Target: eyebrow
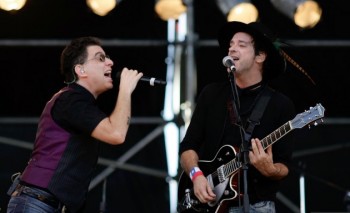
x=241 y=41
x=99 y=53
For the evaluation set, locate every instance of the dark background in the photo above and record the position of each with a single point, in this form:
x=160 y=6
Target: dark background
x=30 y=75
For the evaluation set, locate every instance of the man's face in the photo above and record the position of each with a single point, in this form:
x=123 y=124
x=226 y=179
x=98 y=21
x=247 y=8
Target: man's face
x=98 y=69
x=242 y=51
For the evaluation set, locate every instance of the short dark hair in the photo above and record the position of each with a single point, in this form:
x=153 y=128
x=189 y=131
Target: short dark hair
x=75 y=53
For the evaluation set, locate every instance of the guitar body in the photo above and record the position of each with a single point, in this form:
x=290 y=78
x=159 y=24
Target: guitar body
x=224 y=190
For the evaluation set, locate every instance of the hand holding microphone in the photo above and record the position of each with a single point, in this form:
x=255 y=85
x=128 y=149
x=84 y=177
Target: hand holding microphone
x=128 y=79
x=152 y=81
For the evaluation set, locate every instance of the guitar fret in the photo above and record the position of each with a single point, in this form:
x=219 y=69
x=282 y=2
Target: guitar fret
x=227 y=169
x=276 y=135
x=264 y=143
x=273 y=136
x=238 y=165
x=289 y=128
x=231 y=167
x=284 y=128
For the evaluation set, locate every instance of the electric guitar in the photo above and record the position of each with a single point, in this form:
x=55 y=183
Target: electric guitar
x=221 y=170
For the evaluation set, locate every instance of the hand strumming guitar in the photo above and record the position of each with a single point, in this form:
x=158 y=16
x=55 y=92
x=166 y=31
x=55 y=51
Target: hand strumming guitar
x=202 y=189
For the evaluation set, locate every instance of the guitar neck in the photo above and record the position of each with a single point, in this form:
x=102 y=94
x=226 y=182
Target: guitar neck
x=276 y=135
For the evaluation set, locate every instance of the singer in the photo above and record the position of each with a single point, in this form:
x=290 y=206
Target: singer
x=222 y=125
x=70 y=129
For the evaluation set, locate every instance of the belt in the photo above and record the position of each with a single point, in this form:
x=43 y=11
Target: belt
x=38 y=194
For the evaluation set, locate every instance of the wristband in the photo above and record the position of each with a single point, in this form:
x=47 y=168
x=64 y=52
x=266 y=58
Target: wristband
x=195 y=172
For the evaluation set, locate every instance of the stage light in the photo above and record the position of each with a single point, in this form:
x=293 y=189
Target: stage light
x=169 y=9
x=238 y=10
x=304 y=13
x=9 y=5
x=102 y=7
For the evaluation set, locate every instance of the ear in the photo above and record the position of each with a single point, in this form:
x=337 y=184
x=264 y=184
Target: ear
x=79 y=70
x=261 y=57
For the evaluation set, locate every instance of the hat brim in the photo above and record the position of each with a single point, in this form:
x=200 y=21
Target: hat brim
x=274 y=64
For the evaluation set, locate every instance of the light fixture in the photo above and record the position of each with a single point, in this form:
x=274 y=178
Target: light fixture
x=169 y=9
x=102 y=7
x=9 y=5
x=304 y=13
x=238 y=10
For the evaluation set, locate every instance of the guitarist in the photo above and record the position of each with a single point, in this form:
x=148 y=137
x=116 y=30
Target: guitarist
x=214 y=124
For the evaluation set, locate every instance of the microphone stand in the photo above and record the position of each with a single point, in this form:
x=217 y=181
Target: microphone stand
x=245 y=139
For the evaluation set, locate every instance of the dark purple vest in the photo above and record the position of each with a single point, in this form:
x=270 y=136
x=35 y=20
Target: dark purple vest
x=62 y=162
x=51 y=141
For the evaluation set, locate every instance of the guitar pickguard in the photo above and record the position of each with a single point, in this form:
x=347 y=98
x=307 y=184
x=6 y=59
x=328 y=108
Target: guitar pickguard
x=223 y=190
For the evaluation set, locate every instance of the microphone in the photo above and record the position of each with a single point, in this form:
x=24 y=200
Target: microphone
x=227 y=61
x=152 y=81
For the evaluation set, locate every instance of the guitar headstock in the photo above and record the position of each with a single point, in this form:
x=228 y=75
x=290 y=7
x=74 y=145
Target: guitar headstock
x=313 y=115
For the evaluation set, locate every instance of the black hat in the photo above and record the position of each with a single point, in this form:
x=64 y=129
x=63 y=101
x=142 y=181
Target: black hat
x=263 y=39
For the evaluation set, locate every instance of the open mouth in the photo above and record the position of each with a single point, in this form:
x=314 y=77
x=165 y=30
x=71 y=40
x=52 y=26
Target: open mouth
x=108 y=74
x=235 y=58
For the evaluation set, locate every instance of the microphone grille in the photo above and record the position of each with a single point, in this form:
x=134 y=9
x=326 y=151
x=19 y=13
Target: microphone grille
x=227 y=61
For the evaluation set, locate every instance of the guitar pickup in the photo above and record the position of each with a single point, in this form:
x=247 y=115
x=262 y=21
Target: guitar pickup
x=221 y=174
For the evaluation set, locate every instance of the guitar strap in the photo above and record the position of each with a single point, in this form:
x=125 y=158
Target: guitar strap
x=257 y=112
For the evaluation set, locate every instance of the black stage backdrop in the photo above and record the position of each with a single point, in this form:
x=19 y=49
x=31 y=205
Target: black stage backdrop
x=30 y=76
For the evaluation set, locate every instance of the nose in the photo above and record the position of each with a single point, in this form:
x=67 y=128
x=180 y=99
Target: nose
x=231 y=49
x=109 y=62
